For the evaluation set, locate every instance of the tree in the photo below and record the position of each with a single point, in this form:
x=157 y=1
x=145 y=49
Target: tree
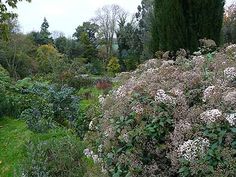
x=61 y=44
x=86 y=35
x=106 y=18
x=113 y=66
x=48 y=58
x=129 y=44
x=91 y=29
x=229 y=26
x=180 y=23
x=44 y=36
x=146 y=22
x=122 y=37
x=6 y=15
x=17 y=55
x=44 y=33
x=171 y=25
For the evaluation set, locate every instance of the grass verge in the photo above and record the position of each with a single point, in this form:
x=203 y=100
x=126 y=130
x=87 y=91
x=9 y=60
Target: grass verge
x=13 y=135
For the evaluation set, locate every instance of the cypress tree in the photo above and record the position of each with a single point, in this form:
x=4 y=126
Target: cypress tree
x=181 y=23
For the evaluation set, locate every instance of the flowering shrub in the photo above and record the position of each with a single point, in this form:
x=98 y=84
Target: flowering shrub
x=191 y=149
x=139 y=130
x=170 y=118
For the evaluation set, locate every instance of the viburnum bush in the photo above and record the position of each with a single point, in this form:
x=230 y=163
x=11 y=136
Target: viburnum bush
x=170 y=118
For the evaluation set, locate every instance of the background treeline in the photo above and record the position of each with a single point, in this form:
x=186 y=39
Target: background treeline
x=131 y=40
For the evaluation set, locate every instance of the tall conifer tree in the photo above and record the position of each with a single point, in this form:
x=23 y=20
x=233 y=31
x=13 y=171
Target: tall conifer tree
x=181 y=23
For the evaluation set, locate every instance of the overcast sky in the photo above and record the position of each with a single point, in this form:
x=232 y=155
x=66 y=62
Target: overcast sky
x=66 y=15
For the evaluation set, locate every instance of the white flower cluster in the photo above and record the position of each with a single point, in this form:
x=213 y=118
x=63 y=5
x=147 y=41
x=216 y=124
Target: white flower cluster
x=100 y=148
x=230 y=73
x=151 y=63
x=167 y=63
x=162 y=97
x=151 y=71
x=90 y=154
x=192 y=149
x=231 y=118
x=138 y=109
x=91 y=125
x=208 y=93
x=120 y=92
x=176 y=92
x=198 y=60
x=123 y=90
x=101 y=99
x=184 y=126
x=231 y=48
x=210 y=116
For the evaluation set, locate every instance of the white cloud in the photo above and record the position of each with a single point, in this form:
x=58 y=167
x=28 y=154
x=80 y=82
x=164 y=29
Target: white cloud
x=66 y=15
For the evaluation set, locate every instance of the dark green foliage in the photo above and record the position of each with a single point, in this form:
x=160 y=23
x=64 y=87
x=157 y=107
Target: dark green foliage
x=86 y=35
x=171 y=24
x=44 y=33
x=39 y=121
x=4 y=86
x=90 y=29
x=54 y=156
x=81 y=81
x=180 y=24
x=129 y=45
x=8 y=95
x=62 y=44
x=43 y=37
x=48 y=104
x=97 y=67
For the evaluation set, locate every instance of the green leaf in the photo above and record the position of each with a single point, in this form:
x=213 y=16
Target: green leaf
x=233 y=130
x=128 y=175
x=183 y=169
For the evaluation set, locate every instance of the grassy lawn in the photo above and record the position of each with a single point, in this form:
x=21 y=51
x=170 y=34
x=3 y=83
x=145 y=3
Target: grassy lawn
x=13 y=135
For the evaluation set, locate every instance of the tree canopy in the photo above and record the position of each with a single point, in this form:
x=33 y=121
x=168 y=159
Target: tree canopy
x=6 y=15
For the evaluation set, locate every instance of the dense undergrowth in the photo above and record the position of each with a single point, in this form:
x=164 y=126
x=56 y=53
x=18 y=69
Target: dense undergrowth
x=45 y=136
x=166 y=118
